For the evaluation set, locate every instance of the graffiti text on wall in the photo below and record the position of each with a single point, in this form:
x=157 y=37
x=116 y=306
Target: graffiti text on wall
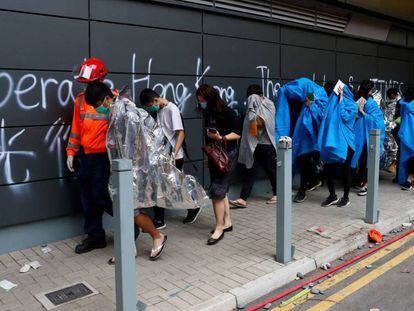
x=52 y=92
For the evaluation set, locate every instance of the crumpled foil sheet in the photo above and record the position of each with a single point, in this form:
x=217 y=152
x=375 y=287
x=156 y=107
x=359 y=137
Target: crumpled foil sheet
x=134 y=134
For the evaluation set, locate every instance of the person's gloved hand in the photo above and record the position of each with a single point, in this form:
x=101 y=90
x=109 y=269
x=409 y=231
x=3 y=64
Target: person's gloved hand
x=69 y=163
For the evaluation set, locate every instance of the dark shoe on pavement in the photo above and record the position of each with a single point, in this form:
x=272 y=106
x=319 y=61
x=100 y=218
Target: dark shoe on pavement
x=314 y=186
x=300 y=197
x=343 y=202
x=331 y=200
x=88 y=245
x=407 y=186
x=362 y=192
x=192 y=216
x=212 y=241
x=228 y=229
x=159 y=224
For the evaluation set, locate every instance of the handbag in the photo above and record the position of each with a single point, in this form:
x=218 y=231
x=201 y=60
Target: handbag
x=217 y=154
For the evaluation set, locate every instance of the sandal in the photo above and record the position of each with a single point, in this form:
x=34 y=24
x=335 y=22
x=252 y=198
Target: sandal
x=237 y=204
x=158 y=250
x=272 y=200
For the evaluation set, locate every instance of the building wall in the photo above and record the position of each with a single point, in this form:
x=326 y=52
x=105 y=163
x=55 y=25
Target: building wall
x=171 y=49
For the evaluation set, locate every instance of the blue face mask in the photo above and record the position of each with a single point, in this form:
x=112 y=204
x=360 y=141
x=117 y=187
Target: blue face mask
x=102 y=109
x=154 y=108
x=203 y=106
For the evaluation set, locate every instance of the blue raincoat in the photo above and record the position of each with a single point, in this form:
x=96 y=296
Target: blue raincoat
x=304 y=132
x=373 y=119
x=406 y=134
x=336 y=132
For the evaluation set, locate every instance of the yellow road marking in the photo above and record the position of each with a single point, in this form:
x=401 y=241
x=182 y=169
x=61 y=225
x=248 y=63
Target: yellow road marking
x=363 y=281
x=339 y=277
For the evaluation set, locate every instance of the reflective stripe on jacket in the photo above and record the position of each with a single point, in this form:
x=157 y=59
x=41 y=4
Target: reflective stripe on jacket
x=88 y=128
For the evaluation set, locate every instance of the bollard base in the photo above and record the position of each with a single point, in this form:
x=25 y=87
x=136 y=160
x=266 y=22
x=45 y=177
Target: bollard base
x=374 y=220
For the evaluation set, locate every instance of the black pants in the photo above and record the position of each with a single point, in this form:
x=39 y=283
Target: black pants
x=308 y=169
x=346 y=174
x=362 y=166
x=159 y=213
x=95 y=200
x=265 y=156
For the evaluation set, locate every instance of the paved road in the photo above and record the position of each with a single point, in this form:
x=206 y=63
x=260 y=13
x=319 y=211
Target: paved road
x=387 y=286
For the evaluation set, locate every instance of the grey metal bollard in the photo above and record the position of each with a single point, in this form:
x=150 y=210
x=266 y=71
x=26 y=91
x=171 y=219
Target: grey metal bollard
x=125 y=279
x=284 y=201
x=371 y=213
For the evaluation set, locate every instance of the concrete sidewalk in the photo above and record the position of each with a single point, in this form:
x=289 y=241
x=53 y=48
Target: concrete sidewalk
x=193 y=276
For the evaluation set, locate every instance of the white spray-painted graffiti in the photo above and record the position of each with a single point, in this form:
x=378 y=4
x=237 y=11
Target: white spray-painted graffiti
x=54 y=141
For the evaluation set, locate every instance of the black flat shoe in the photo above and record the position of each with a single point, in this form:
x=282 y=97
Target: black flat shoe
x=212 y=241
x=228 y=229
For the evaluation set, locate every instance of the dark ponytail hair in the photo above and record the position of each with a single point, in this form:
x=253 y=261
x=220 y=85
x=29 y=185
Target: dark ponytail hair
x=409 y=94
x=212 y=96
x=364 y=88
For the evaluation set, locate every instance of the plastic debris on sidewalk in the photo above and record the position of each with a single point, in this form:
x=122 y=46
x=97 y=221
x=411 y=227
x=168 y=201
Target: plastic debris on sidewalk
x=46 y=249
x=374 y=235
x=326 y=266
x=299 y=275
x=405 y=270
x=368 y=266
x=7 y=285
x=35 y=264
x=319 y=231
x=26 y=267
x=407 y=224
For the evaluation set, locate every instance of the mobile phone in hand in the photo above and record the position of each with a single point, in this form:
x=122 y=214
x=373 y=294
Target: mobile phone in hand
x=212 y=130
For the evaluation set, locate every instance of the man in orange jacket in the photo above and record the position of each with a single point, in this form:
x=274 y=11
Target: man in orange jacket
x=88 y=133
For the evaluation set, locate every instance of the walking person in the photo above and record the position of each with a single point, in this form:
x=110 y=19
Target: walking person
x=369 y=117
x=336 y=142
x=88 y=140
x=406 y=135
x=221 y=126
x=257 y=145
x=99 y=97
x=300 y=107
x=170 y=120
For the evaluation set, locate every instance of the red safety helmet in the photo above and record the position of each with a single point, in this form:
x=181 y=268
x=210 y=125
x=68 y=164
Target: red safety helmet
x=90 y=70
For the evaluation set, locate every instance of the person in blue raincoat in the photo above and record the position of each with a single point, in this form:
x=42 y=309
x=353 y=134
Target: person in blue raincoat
x=300 y=108
x=406 y=135
x=370 y=117
x=336 y=142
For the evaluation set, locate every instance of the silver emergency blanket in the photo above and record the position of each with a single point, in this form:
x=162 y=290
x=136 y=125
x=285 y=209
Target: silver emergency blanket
x=134 y=134
x=389 y=156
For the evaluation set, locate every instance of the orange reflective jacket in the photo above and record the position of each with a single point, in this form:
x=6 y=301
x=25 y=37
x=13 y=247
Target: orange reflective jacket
x=88 y=128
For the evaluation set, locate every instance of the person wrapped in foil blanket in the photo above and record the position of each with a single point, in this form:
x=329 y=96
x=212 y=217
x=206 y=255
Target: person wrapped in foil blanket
x=134 y=134
x=389 y=157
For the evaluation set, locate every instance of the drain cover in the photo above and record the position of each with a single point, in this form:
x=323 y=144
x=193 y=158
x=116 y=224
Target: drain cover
x=64 y=295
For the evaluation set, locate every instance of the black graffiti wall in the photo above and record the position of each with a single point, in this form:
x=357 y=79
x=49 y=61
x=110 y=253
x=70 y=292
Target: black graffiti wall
x=171 y=49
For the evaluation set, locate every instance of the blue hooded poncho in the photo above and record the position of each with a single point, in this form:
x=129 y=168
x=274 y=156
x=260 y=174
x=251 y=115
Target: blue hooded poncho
x=304 y=132
x=373 y=119
x=336 y=132
x=406 y=134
